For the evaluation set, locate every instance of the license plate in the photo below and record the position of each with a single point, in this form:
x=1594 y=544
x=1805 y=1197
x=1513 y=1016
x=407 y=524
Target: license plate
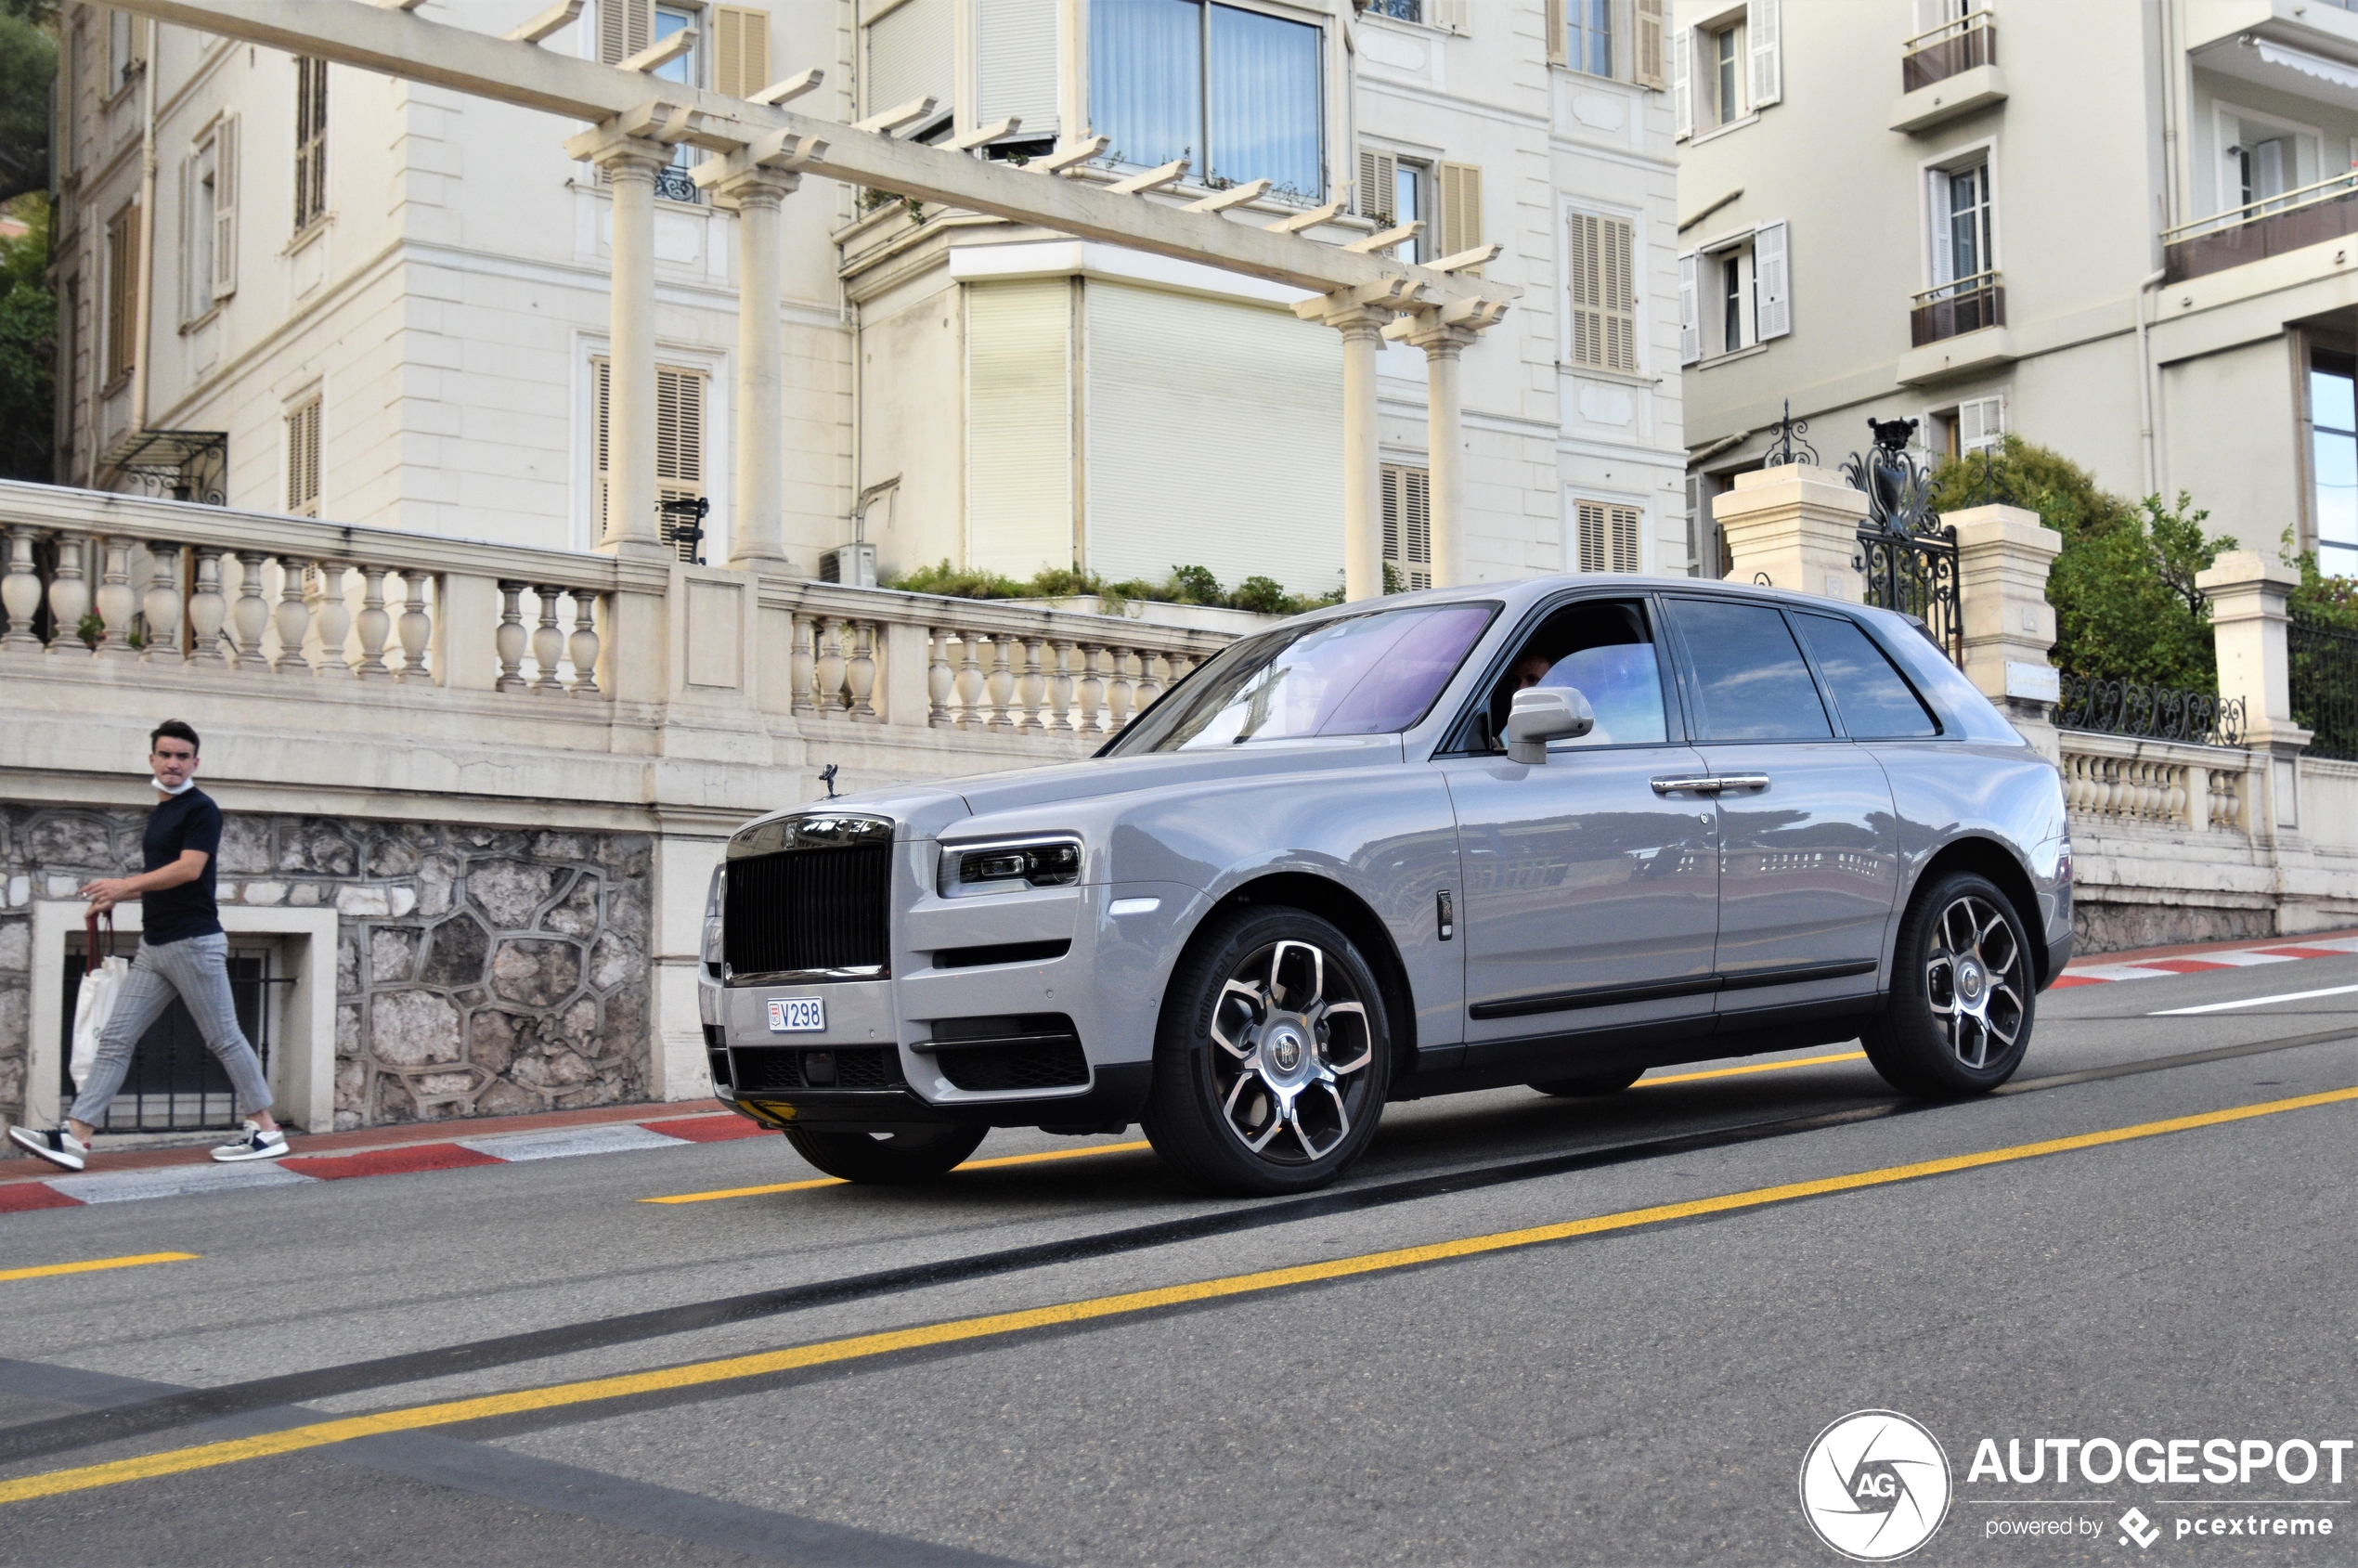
x=798 y=1014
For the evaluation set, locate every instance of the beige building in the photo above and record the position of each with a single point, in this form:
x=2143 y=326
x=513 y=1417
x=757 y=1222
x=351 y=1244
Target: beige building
x=386 y=303
x=2121 y=230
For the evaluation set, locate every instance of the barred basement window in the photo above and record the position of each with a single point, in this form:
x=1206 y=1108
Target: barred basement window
x=1604 y=300
x=1407 y=528
x=1606 y=535
x=303 y=459
x=311 y=142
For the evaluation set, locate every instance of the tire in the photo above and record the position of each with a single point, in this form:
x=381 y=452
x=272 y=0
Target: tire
x=1963 y=1000
x=1272 y=1059
x=920 y=1154
x=1589 y=1085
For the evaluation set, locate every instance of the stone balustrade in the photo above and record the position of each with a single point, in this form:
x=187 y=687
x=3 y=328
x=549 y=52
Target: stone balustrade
x=2121 y=781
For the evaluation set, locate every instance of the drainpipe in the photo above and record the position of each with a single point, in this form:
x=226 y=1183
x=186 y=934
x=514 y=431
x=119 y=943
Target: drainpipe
x=144 y=317
x=2145 y=384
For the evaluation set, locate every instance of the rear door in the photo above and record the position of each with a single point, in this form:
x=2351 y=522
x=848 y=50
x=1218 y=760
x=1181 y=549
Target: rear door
x=1809 y=843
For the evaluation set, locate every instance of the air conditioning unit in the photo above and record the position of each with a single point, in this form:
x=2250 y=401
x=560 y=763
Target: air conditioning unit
x=853 y=565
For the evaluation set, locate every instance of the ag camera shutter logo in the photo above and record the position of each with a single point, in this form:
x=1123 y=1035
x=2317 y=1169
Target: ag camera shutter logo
x=1874 y=1485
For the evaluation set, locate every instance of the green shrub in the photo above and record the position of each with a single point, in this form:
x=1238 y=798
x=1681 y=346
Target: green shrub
x=1187 y=585
x=2123 y=588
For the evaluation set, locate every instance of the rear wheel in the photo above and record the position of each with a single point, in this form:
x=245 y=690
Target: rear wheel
x=1588 y=1085
x=919 y=1154
x=1272 y=1060
x=1962 y=994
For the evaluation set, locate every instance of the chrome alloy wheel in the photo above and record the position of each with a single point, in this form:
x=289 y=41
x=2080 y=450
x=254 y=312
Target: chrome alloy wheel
x=1290 y=1070
x=1975 y=979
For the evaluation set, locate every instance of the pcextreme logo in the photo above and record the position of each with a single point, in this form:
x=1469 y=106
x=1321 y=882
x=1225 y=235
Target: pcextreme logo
x=1874 y=1485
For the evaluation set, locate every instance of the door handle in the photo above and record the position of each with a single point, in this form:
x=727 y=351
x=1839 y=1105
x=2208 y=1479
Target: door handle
x=1742 y=781
x=1700 y=784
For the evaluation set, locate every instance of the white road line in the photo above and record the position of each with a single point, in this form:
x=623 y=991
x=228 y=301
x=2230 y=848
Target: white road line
x=175 y=1181
x=2254 y=1001
x=612 y=1138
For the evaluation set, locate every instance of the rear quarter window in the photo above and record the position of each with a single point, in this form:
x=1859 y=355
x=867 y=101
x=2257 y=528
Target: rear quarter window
x=1874 y=700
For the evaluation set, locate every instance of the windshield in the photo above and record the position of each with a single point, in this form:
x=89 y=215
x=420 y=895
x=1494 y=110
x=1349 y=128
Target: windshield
x=1369 y=675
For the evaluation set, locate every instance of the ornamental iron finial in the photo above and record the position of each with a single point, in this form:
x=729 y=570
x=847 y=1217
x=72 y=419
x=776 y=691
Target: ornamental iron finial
x=1899 y=492
x=1788 y=446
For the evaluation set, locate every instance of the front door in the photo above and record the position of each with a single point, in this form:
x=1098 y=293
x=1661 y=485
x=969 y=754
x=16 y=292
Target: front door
x=1592 y=881
x=1808 y=841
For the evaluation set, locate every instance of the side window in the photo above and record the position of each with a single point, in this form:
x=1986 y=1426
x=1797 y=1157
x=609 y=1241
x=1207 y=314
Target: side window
x=1604 y=650
x=1874 y=702
x=1750 y=680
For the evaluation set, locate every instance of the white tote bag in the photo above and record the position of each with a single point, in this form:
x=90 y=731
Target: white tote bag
x=102 y=982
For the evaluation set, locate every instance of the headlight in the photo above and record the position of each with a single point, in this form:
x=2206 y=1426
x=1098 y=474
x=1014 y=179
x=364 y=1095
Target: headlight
x=712 y=905
x=1009 y=864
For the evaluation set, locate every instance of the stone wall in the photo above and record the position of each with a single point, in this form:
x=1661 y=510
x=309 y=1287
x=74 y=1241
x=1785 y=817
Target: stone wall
x=478 y=971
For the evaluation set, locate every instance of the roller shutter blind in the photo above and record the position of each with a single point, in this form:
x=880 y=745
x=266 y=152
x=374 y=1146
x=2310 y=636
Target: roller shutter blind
x=740 y=51
x=910 y=55
x=1214 y=438
x=1014 y=64
x=1019 y=426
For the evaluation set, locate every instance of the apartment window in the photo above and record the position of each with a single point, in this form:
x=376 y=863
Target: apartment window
x=1400 y=10
x=1604 y=298
x=910 y=55
x=1588 y=36
x=1606 y=535
x=1725 y=50
x=680 y=438
x=125 y=55
x=1960 y=223
x=1734 y=295
x=1722 y=68
x=122 y=283
x=1237 y=93
x=1394 y=191
x=2264 y=158
x=2333 y=418
x=1407 y=528
x=311 y=142
x=209 y=221
x=303 y=458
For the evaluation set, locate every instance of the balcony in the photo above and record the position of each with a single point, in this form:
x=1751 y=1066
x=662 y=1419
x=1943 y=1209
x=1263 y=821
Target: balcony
x=2309 y=215
x=1956 y=329
x=1948 y=72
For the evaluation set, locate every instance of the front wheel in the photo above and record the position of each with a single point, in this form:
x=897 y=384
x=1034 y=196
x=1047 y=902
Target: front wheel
x=919 y=1154
x=1272 y=1059
x=1962 y=994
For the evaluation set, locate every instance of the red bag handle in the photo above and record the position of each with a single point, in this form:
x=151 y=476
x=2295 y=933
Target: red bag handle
x=91 y=957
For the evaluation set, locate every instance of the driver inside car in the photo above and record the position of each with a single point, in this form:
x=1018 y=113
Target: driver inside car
x=1602 y=651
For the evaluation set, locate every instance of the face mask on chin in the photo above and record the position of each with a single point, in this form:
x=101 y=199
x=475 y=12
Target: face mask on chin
x=182 y=787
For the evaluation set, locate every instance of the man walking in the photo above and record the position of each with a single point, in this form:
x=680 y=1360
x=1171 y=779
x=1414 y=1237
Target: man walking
x=182 y=952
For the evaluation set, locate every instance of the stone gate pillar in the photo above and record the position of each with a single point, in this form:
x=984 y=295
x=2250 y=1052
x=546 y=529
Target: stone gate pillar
x=2004 y=556
x=2249 y=625
x=1797 y=525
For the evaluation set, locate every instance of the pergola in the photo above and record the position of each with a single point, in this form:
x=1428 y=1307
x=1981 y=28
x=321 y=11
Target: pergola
x=638 y=119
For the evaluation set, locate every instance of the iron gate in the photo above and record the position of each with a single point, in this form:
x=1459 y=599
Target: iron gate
x=1906 y=557
x=175 y=1084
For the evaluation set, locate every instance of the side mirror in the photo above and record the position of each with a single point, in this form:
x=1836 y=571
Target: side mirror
x=1541 y=713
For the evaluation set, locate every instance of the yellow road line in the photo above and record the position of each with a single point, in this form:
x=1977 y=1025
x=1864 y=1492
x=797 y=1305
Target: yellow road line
x=94 y=1265
x=837 y=1181
x=1757 y=1066
x=732 y=1368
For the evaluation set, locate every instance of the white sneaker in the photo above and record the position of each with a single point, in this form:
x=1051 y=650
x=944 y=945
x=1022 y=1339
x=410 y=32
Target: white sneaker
x=254 y=1144
x=53 y=1144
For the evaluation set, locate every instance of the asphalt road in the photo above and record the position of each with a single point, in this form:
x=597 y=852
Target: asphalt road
x=1074 y=1361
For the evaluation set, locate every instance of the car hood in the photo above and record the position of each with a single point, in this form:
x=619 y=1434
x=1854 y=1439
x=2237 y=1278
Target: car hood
x=926 y=810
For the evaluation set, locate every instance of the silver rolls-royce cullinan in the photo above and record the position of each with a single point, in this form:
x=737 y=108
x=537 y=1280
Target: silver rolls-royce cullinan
x=1552 y=833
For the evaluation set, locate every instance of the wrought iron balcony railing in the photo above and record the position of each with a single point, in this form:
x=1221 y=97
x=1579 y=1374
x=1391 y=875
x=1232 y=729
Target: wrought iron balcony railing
x=1953 y=309
x=2269 y=226
x=1950 y=49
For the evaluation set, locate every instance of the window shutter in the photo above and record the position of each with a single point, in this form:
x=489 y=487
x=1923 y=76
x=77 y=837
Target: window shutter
x=1689 y=311
x=1407 y=524
x=740 y=50
x=1604 y=320
x=625 y=28
x=1768 y=54
x=1682 y=110
x=1620 y=295
x=193 y=289
x=910 y=55
x=302 y=461
x=1626 y=521
x=1559 y=46
x=679 y=435
x=1590 y=536
x=224 y=209
x=1460 y=210
x=1697 y=517
x=1937 y=200
x=1981 y=424
x=1016 y=64
x=600 y=440
x=1453 y=16
x=1773 y=290
x=1379 y=188
x=1587 y=293
x=1647 y=63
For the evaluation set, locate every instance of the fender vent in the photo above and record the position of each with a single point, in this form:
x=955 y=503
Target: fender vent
x=1006 y=1052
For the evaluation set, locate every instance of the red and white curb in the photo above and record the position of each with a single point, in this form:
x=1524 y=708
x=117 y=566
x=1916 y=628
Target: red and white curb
x=492 y=1148
x=2195 y=963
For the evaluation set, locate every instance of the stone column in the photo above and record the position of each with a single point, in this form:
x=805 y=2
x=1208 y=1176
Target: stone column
x=1444 y=443
x=2248 y=621
x=1797 y=526
x=2003 y=556
x=630 y=164
x=756 y=528
x=1362 y=329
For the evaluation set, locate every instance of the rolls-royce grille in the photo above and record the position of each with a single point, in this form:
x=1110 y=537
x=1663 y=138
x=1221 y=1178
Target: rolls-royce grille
x=769 y=1069
x=808 y=910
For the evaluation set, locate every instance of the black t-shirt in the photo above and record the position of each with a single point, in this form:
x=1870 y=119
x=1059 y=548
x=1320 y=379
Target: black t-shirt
x=188 y=821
